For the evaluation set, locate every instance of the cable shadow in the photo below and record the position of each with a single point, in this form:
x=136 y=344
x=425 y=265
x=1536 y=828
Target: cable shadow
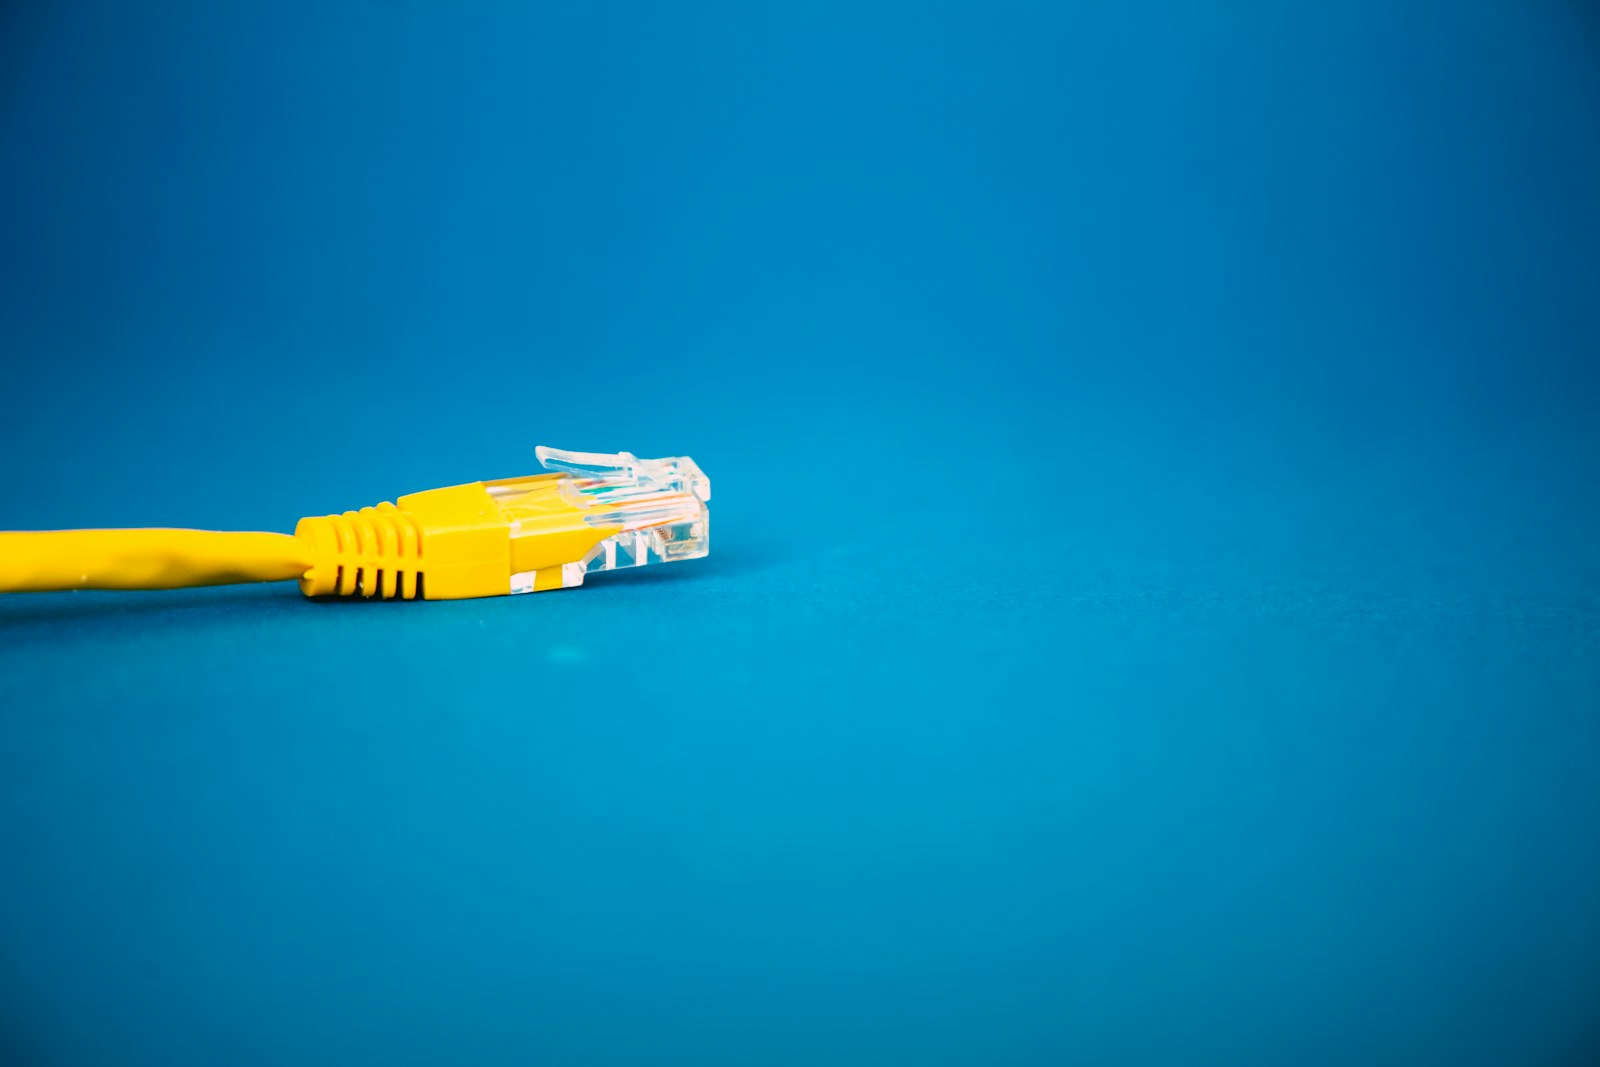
x=46 y=616
x=48 y=612
x=719 y=564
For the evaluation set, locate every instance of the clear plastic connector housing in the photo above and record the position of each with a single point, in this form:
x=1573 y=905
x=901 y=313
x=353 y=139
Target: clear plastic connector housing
x=651 y=510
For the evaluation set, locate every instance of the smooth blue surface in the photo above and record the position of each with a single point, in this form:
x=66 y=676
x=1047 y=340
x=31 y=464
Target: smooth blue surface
x=1154 y=613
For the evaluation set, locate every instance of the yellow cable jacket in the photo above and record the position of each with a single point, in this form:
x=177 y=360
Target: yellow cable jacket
x=145 y=559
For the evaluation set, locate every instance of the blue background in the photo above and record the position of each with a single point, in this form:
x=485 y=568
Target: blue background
x=1154 y=612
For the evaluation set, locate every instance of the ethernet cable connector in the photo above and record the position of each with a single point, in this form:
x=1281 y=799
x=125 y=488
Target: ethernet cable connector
x=590 y=512
x=646 y=510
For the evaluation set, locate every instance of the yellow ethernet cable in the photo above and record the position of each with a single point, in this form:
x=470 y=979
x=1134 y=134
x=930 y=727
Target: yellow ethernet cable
x=591 y=512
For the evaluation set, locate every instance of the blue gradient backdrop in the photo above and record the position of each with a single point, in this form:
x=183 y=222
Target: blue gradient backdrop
x=1154 y=614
